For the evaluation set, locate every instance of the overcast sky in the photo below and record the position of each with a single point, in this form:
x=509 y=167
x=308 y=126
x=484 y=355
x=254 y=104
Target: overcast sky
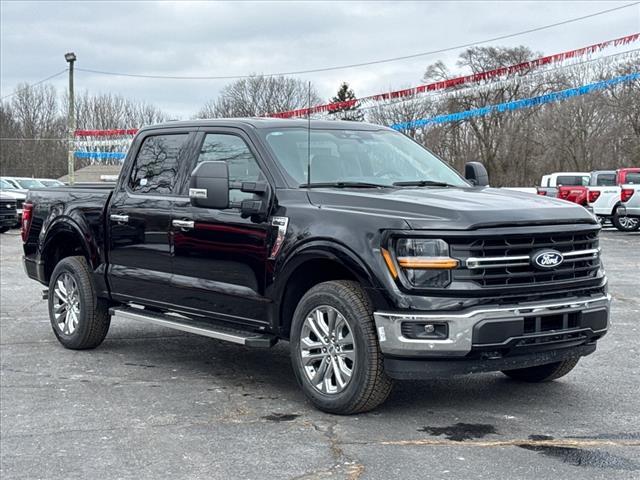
x=235 y=38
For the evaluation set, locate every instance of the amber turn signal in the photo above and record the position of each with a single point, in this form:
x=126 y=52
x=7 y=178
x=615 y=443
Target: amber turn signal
x=428 y=263
x=389 y=261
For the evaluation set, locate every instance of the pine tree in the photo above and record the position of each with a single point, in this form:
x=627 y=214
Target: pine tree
x=349 y=112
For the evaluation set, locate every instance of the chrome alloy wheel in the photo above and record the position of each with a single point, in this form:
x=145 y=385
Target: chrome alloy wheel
x=628 y=222
x=66 y=304
x=327 y=350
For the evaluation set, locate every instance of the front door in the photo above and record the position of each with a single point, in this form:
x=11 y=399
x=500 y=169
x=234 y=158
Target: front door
x=140 y=218
x=219 y=262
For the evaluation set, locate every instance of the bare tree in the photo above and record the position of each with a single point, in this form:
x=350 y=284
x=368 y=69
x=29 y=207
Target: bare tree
x=34 y=129
x=259 y=96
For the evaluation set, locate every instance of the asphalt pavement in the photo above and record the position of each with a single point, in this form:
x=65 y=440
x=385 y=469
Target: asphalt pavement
x=153 y=403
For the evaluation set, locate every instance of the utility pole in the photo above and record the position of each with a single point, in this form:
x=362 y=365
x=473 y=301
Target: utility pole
x=71 y=120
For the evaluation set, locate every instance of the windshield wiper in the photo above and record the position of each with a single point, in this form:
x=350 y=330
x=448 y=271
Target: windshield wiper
x=343 y=185
x=422 y=183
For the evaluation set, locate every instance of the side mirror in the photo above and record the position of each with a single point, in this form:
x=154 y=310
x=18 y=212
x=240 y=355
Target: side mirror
x=209 y=185
x=476 y=174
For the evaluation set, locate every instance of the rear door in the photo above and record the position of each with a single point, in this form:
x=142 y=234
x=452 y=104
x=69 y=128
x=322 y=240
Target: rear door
x=220 y=259
x=140 y=217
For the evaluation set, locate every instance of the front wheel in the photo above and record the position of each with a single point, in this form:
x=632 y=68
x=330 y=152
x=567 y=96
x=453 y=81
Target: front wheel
x=625 y=224
x=79 y=319
x=334 y=349
x=543 y=373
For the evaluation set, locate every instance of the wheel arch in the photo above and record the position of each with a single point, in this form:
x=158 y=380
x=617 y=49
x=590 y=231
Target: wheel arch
x=64 y=238
x=312 y=264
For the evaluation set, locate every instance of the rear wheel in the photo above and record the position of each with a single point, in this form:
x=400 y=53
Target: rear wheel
x=79 y=319
x=334 y=349
x=625 y=224
x=543 y=373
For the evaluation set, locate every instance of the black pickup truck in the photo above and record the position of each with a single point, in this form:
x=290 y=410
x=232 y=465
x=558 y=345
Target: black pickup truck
x=371 y=256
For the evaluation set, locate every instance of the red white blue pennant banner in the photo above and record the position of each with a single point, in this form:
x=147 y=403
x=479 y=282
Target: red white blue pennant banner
x=524 y=67
x=102 y=145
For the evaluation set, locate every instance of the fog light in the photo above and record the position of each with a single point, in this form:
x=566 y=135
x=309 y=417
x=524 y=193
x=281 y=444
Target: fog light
x=425 y=331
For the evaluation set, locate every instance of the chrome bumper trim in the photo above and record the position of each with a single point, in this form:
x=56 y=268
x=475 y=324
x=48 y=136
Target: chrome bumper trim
x=459 y=341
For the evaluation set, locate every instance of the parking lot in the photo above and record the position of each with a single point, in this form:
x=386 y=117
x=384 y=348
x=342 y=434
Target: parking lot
x=156 y=403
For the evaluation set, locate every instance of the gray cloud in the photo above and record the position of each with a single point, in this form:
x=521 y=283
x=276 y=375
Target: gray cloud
x=207 y=38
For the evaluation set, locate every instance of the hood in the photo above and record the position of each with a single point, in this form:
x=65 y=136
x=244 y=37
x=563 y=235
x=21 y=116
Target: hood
x=454 y=208
x=18 y=195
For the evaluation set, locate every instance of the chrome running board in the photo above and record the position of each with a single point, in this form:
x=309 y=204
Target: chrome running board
x=249 y=339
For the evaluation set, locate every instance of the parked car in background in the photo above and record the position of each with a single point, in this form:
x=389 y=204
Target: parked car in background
x=570 y=186
x=630 y=201
x=9 y=190
x=628 y=176
x=8 y=212
x=23 y=184
x=369 y=254
x=603 y=197
x=50 y=182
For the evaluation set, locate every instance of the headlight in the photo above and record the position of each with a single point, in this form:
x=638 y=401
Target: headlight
x=424 y=262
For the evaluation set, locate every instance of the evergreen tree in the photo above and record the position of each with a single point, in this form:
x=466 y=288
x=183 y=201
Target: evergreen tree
x=348 y=112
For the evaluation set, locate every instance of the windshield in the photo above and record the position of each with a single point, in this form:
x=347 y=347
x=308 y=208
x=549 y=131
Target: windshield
x=606 y=180
x=27 y=183
x=6 y=185
x=378 y=157
x=572 y=180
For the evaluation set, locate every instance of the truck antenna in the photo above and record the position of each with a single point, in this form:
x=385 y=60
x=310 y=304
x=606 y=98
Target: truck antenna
x=309 y=137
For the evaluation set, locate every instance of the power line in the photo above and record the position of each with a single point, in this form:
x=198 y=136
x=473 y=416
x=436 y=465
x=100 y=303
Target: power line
x=35 y=84
x=362 y=64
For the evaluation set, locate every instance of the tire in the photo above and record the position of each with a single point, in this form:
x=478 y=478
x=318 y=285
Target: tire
x=85 y=323
x=543 y=373
x=625 y=224
x=368 y=386
x=4 y=229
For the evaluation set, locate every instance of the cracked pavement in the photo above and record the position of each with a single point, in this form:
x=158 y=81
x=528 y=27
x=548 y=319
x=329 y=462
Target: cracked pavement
x=155 y=403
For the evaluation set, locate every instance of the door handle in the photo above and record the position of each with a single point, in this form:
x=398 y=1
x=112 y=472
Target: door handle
x=119 y=218
x=183 y=224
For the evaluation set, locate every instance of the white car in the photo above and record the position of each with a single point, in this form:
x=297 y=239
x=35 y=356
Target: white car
x=22 y=184
x=50 y=182
x=630 y=200
x=9 y=190
x=603 y=197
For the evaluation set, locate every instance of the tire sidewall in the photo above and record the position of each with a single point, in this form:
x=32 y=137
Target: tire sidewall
x=325 y=294
x=618 y=225
x=87 y=302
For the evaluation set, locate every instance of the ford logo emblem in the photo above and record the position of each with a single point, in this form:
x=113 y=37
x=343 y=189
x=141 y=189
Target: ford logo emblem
x=547 y=259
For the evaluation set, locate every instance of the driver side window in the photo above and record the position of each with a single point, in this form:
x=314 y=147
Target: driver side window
x=234 y=151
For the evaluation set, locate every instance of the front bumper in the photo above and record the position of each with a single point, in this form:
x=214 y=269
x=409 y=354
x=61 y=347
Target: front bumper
x=503 y=329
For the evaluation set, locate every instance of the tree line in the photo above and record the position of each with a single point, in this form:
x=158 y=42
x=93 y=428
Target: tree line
x=595 y=131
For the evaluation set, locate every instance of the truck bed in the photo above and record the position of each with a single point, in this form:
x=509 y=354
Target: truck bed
x=68 y=210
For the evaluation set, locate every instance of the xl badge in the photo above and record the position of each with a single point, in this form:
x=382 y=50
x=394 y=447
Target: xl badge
x=547 y=259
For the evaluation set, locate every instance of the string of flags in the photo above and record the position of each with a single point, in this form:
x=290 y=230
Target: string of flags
x=520 y=68
x=517 y=104
x=111 y=144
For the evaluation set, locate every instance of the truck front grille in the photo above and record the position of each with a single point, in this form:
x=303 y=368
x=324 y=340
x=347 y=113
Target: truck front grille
x=494 y=262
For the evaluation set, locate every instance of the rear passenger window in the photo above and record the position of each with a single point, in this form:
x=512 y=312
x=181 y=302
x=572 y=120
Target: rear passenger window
x=156 y=166
x=632 y=177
